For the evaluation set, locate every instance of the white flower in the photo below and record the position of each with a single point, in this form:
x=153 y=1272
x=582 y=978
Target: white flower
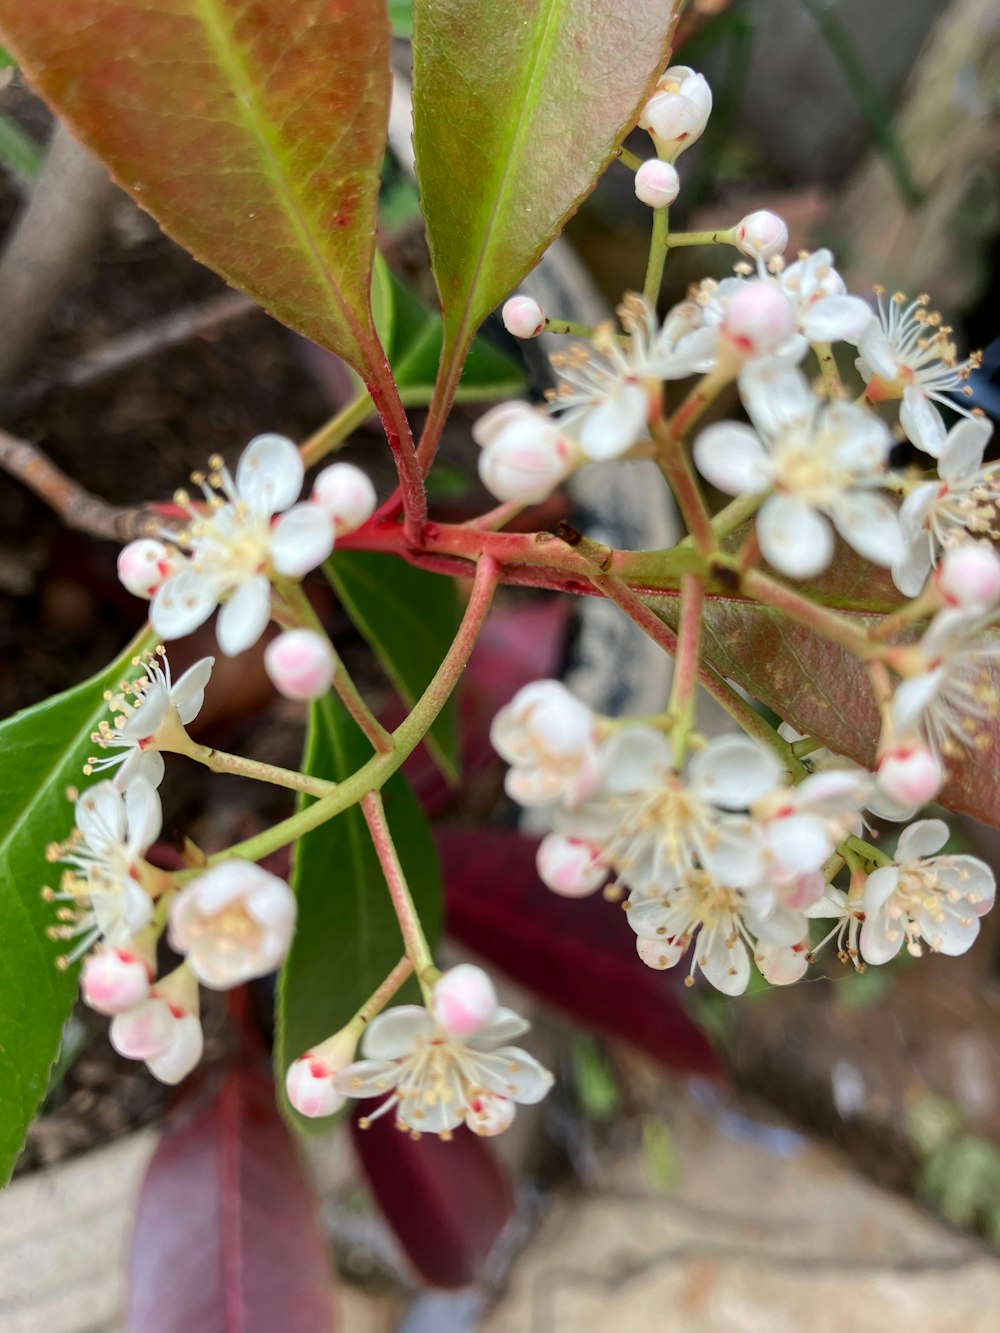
x=347 y=495
x=147 y=713
x=300 y=663
x=234 y=922
x=906 y=353
x=678 y=111
x=144 y=564
x=802 y=825
x=822 y=461
x=723 y=926
x=113 y=980
x=847 y=916
x=233 y=548
x=955 y=696
x=433 y=1080
x=877 y=801
x=525 y=455
x=923 y=897
x=548 y=738
x=761 y=235
x=603 y=394
x=522 y=317
x=909 y=774
x=572 y=867
x=965 y=500
x=657 y=183
x=105 y=881
x=164 y=1030
x=824 y=311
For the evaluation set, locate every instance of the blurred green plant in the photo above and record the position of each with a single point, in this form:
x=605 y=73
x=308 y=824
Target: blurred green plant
x=960 y=1171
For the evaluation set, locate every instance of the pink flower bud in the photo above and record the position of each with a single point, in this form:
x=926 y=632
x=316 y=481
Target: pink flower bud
x=347 y=495
x=758 y=319
x=489 y=1114
x=678 y=111
x=522 y=317
x=969 y=577
x=164 y=1030
x=657 y=183
x=909 y=774
x=114 y=980
x=570 y=866
x=309 y=1085
x=300 y=664
x=143 y=565
x=525 y=456
x=761 y=235
x=464 y=1000
x=783 y=964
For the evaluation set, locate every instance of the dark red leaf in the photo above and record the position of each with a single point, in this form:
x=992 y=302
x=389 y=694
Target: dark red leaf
x=578 y=955
x=226 y=1240
x=446 y=1202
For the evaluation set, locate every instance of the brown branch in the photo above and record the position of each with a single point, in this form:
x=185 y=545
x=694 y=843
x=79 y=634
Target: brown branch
x=76 y=507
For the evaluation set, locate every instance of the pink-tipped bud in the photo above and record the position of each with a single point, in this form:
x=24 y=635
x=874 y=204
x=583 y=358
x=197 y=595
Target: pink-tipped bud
x=761 y=235
x=163 y=1030
x=300 y=663
x=783 y=964
x=909 y=774
x=758 y=319
x=678 y=111
x=489 y=1114
x=522 y=317
x=309 y=1085
x=570 y=866
x=524 y=457
x=464 y=1000
x=657 y=183
x=114 y=980
x=969 y=577
x=347 y=495
x=143 y=565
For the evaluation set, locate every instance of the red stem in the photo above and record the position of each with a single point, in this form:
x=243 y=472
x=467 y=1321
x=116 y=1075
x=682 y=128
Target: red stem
x=385 y=396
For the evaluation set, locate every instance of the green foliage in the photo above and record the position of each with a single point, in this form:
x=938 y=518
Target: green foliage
x=44 y=749
x=19 y=152
x=347 y=939
x=594 y=1079
x=401 y=18
x=409 y=618
x=960 y=1170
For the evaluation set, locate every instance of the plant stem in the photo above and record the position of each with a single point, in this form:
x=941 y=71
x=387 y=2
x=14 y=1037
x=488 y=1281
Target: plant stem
x=350 y=696
x=385 y=397
x=378 y=999
x=724 y=237
x=417 y=949
x=804 y=612
x=571 y=327
x=677 y=469
x=737 y=511
x=657 y=256
x=337 y=430
x=828 y=368
x=629 y=160
x=682 y=690
x=218 y=761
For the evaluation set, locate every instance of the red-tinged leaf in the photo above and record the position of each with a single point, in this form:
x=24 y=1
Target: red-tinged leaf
x=252 y=130
x=518 y=107
x=446 y=1202
x=578 y=955
x=227 y=1238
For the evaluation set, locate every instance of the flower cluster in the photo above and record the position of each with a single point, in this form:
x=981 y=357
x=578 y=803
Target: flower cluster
x=724 y=861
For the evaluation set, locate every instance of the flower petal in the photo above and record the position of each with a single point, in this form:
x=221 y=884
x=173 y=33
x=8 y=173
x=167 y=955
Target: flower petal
x=514 y=1073
x=144 y=815
x=100 y=816
x=776 y=395
x=269 y=474
x=733 y=772
x=367 y=1078
x=393 y=1033
x=610 y=430
x=870 y=524
x=244 y=616
x=836 y=319
x=793 y=537
x=183 y=602
x=301 y=540
x=922 y=422
x=921 y=839
x=635 y=759
x=725 y=962
x=732 y=458
x=963 y=449
x=188 y=694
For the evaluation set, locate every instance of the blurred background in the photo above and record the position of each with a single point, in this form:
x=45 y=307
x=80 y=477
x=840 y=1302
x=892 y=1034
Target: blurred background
x=819 y=1157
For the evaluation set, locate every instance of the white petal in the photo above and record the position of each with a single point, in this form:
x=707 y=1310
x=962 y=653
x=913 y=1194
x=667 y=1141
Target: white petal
x=870 y=524
x=367 y=1078
x=783 y=965
x=504 y=1026
x=865 y=440
x=793 y=537
x=147 y=764
x=694 y=354
x=725 y=963
x=877 y=350
x=144 y=815
x=301 y=540
x=733 y=459
x=921 y=839
x=836 y=319
x=962 y=452
x=147 y=718
x=489 y=426
x=909 y=572
x=514 y=1073
x=244 y=616
x=635 y=759
x=922 y=422
x=776 y=395
x=611 y=429
x=188 y=694
x=184 y=602
x=779 y=927
x=799 y=844
x=269 y=474
x=974 y=880
x=913 y=697
x=183 y=1053
x=733 y=772
x=953 y=934
x=393 y=1033
x=100 y=816
x=736 y=856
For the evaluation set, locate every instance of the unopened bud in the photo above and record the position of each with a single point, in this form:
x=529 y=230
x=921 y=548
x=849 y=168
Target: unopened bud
x=489 y=1114
x=347 y=495
x=761 y=235
x=910 y=774
x=522 y=317
x=782 y=964
x=143 y=565
x=969 y=577
x=570 y=866
x=657 y=183
x=678 y=111
x=464 y=1000
x=309 y=1080
x=114 y=980
x=300 y=663
x=164 y=1030
x=526 y=456
x=758 y=319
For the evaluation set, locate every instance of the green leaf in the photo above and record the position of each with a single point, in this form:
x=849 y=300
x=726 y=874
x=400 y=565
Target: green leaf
x=253 y=133
x=22 y=154
x=488 y=374
x=347 y=940
x=44 y=749
x=409 y=618
x=518 y=108
x=401 y=18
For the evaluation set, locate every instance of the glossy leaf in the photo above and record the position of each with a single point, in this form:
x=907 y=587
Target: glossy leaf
x=44 y=749
x=409 y=618
x=252 y=130
x=347 y=940
x=227 y=1238
x=465 y=1197
x=518 y=107
x=577 y=954
x=401 y=18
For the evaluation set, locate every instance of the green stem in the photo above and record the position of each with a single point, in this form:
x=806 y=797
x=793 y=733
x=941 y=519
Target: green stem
x=337 y=430
x=804 y=612
x=735 y=513
x=378 y=999
x=677 y=238
x=657 y=256
x=218 y=761
x=682 y=690
x=417 y=949
x=629 y=160
x=571 y=327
